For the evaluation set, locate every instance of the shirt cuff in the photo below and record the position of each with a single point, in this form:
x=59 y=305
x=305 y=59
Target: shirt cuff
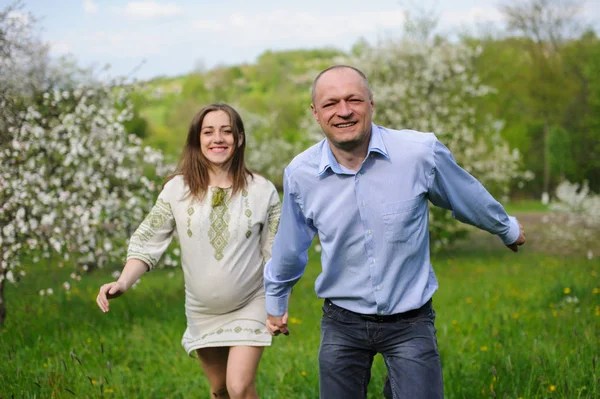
x=276 y=306
x=513 y=233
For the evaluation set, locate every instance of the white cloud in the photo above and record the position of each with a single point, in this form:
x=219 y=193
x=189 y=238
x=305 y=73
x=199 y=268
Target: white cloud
x=473 y=15
x=90 y=7
x=60 y=48
x=304 y=27
x=19 y=17
x=151 y=10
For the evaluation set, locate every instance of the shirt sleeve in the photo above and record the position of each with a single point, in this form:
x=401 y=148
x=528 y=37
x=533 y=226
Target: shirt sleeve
x=271 y=224
x=153 y=236
x=290 y=253
x=455 y=189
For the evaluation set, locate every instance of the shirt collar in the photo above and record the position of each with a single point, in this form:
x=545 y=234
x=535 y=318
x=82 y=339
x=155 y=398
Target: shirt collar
x=328 y=160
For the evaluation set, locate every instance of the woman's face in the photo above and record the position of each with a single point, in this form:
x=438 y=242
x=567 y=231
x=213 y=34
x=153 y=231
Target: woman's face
x=216 y=138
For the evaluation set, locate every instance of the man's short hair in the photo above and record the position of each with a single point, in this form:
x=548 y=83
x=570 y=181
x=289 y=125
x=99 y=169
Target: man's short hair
x=358 y=71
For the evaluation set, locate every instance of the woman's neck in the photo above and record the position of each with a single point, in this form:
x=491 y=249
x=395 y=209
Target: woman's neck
x=219 y=178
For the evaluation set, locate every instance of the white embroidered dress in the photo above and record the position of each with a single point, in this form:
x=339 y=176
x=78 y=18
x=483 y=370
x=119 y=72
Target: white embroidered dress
x=223 y=253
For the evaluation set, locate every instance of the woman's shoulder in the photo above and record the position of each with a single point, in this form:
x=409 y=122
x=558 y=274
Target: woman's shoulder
x=260 y=183
x=175 y=187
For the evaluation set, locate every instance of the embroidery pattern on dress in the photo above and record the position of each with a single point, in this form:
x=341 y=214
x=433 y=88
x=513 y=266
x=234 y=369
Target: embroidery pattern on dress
x=247 y=212
x=190 y=212
x=158 y=216
x=274 y=215
x=218 y=233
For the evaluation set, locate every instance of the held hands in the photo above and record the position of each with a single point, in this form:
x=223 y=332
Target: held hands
x=278 y=324
x=109 y=291
x=520 y=241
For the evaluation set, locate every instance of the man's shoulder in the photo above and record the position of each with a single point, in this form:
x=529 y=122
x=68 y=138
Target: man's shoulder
x=407 y=136
x=307 y=160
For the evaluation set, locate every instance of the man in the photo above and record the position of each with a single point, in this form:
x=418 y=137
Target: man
x=364 y=190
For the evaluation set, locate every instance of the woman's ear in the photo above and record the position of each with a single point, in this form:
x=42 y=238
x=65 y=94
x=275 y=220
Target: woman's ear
x=241 y=139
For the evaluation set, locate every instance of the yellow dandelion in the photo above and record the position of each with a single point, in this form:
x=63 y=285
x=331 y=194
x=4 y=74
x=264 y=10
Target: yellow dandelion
x=567 y=290
x=552 y=388
x=303 y=373
x=554 y=313
x=89 y=340
x=454 y=322
x=294 y=320
x=469 y=300
x=596 y=291
x=93 y=382
x=483 y=348
x=109 y=390
x=593 y=273
x=515 y=315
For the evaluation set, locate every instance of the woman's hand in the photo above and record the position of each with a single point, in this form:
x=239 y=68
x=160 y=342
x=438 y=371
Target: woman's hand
x=109 y=291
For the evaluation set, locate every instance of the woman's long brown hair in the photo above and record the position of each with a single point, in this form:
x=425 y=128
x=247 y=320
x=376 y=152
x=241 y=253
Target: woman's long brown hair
x=194 y=166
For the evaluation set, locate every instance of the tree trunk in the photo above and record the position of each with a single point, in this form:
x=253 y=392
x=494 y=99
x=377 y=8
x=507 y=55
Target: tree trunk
x=547 y=158
x=2 y=301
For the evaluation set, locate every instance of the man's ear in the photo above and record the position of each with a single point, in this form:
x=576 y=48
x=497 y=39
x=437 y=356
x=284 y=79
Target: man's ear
x=241 y=139
x=314 y=112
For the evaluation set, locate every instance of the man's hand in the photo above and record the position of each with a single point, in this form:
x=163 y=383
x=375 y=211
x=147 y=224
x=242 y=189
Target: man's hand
x=278 y=324
x=520 y=241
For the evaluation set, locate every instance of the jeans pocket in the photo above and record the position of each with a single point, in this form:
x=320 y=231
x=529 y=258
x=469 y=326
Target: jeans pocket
x=330 y=310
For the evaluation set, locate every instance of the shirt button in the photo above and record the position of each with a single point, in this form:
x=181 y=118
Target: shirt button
x=372 y=260
x=364 y=203
x=369 y=232
x=378 y=288
x=381 y=312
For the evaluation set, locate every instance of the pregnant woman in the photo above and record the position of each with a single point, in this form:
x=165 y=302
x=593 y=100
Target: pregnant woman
x=225 y=218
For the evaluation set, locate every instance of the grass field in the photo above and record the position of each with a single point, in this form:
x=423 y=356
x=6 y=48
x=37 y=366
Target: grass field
x=523 y=325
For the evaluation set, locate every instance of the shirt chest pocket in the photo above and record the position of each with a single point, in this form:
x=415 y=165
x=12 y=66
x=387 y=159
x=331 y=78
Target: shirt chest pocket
x=401 y=220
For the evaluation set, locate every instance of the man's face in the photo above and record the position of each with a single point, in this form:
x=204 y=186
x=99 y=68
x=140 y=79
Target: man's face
x=343 y=108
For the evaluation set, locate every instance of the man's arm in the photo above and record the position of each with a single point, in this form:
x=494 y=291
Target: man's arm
x=290 y=255
x=453 y=188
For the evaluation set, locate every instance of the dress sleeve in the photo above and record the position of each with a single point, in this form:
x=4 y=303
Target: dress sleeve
x=271 y=224
x=153 y=236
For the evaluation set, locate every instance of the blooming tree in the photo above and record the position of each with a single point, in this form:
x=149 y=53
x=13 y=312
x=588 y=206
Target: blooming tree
x=574 y=224
x=430 y=86
x=72 y=180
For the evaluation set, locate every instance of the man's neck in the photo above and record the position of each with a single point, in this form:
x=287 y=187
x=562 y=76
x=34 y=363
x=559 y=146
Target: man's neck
x=351 y=158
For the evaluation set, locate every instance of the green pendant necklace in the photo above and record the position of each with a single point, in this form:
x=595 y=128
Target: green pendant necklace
x=218 y=197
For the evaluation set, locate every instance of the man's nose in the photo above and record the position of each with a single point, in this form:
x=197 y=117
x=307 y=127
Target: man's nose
x=344 y=109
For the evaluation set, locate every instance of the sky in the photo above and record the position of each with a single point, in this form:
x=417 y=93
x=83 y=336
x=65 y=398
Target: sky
x=148 y=38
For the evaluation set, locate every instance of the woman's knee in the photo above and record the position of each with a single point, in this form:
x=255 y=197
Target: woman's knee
x=240 y=388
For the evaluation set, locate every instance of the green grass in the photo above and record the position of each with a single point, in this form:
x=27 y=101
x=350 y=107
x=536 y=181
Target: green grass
x=505 y=325
x=525 y=206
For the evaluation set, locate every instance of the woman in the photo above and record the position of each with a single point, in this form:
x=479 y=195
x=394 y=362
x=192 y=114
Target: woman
x=225 y=218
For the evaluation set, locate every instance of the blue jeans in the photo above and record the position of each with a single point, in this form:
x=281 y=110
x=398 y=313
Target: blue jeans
x=350 y=341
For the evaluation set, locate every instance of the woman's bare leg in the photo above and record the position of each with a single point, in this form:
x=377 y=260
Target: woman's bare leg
x=241 y=371
x=214 y=364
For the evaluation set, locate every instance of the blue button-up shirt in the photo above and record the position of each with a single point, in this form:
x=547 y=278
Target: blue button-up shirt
x=373 y=223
